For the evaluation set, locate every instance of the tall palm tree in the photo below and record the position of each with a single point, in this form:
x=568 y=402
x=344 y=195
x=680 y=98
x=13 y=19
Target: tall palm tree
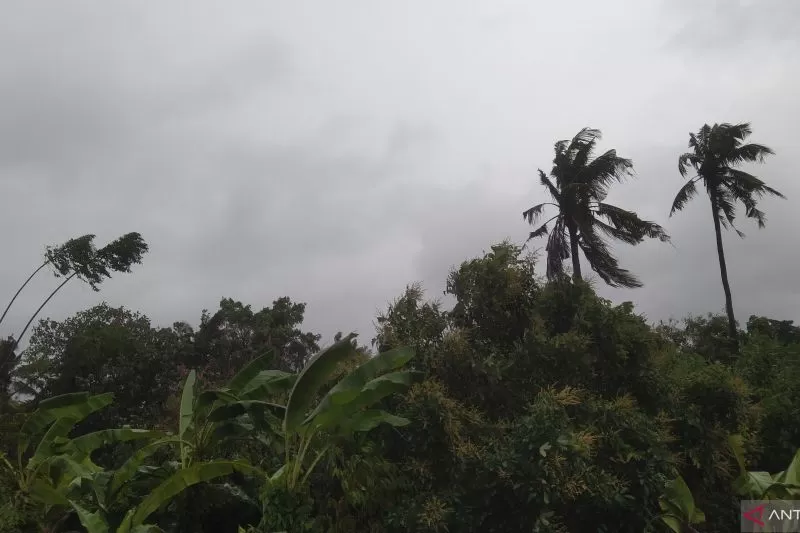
x=578 y=184
x=716 y=150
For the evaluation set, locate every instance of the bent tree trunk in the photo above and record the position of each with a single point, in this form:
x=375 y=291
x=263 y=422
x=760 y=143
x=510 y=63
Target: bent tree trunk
x=35 y=314
x=723 y=269
x=576 y=259
x=22 y=287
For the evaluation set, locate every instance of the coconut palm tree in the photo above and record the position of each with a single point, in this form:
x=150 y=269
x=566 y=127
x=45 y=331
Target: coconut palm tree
x=578 y=185
x=716 y=150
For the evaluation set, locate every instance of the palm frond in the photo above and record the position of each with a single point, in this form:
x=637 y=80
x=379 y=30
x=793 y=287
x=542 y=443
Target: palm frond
x=772 y=192
x=742 y=179
x=581 y=148
x=694 y=142
x=562 y=159
x=738 y=131
x=726 y=209
x=604 y=169
x=700 y=141
x=726 y=205
x=758 y=215
x=750 y=183
x=582 y=152
x=585 y=136
x=687 y=192
x=687 y=159
x=532 y=215
x=557 y=249
x=554 y=192
x=605 y=264
x=616 y=233
x=748 y=153
x=560 y=147
x=746 y=197
x=705 y=134
x=630 y=223
x=538 y=232
x=541 y=230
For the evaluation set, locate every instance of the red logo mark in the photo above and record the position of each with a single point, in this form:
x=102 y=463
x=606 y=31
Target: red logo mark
x=755 y=514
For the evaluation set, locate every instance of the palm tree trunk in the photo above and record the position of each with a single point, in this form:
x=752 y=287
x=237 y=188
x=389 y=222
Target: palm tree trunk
x=576 y=259
x=723 y=270
x=19 y=337
x=20 y=290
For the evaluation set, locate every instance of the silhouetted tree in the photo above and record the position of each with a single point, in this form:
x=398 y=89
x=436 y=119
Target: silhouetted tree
x=91 y=265
x=75 y=258
x=578 y=185
x=72 y=256
x=716 y=150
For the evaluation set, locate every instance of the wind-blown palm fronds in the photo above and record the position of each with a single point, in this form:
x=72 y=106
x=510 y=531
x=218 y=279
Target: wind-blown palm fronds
x=578 y=185
x=716 y=150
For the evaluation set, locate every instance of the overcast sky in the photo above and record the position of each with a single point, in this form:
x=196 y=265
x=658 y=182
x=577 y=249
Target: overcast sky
x=335 y=151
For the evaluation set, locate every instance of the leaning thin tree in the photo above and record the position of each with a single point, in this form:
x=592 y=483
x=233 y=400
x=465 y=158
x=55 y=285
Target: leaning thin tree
x=75 y=258
x=578 y=185
x=716 y=151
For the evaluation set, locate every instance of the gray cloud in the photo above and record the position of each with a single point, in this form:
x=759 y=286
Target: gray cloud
x=732 y=27
x=334 y=158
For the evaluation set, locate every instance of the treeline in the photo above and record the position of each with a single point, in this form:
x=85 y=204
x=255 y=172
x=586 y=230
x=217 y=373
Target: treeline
x=531 y=405
x=537 y=405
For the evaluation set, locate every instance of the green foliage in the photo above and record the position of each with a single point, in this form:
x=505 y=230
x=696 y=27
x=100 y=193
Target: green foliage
x=105 y=349
x=528 y=406
x=543 y=408
x=235 y=335
x=680 y=512
x=768 y=362
x=784 y=485
x=61 y=480
x=177 y=483
x=346 y=408
x=79 y=257
x=51 y=467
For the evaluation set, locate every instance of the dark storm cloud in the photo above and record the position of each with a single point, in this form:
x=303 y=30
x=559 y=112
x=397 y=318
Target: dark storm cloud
x=336 y=158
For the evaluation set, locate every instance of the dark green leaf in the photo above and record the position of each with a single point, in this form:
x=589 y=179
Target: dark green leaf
x=316 y=373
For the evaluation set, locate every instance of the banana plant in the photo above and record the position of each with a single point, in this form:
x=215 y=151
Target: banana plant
x=237 y=410
x=679 y=512
x=106 y=487
x=51 y=467
x=58 y=473
x=243 y=408
x=205 y=421
x=345 y=409
x=784 y=485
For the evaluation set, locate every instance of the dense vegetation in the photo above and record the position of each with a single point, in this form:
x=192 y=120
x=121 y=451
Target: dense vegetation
x=532 y=405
